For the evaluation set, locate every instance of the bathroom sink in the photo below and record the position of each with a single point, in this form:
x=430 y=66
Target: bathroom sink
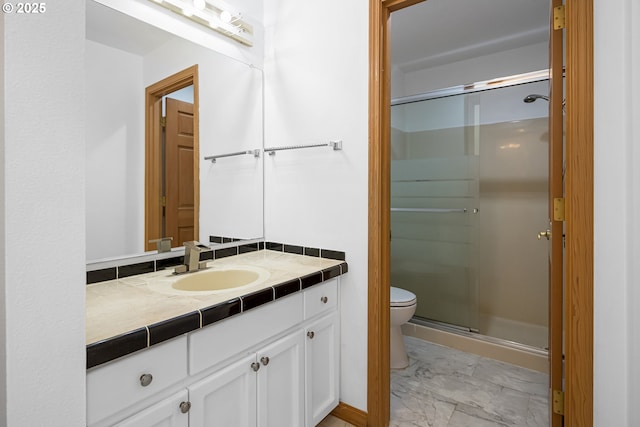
x=210 y=281
x=215 y=280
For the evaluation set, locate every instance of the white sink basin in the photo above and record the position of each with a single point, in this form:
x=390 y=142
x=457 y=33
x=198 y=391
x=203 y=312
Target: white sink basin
x=210 y=281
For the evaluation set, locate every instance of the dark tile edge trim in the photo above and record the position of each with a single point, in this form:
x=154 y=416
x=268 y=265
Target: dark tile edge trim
x=311 y=279
x=287 y=288
x=135 y=269
x=293 y=249
x=220 y=311
x=102 y=275
x=174 y=327
x=303 y=250
x=112 y=348
x=331 y=272
x=258 y=298
x=330 y=254
x=226 y=252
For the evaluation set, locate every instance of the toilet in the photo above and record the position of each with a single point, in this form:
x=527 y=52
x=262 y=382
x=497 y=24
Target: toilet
x=403 y=306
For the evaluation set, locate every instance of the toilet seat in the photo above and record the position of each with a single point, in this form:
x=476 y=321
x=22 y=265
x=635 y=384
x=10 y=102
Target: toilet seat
x=402 y=297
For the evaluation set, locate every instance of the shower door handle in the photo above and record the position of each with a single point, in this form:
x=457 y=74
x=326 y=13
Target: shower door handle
x=546 y=233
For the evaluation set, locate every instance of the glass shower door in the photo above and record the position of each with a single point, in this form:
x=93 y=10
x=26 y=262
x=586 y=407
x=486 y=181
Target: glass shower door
x=434 y=205
x=469 y=193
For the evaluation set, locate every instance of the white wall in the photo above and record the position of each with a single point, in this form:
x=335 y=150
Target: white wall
x=115 y=152
x=616 y=231
x=42 y=282
x=316 y=69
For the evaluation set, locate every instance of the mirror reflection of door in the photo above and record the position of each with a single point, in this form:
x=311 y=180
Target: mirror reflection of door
x=171 y=165
x=178 y=167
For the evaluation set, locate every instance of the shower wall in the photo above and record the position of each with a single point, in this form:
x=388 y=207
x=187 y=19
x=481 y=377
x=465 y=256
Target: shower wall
x=486 y=153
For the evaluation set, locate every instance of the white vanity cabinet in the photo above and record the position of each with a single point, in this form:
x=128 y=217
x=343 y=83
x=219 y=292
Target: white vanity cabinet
x=322 y=352
x=322 y=371
x=170 y=412
x=281 y=382
x=276 y=365
x=139 y=377
x=227 y=397
x=263 y=389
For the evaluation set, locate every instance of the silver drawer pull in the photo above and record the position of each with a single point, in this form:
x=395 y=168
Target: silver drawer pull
x=145 y=379
x=324 y=300
x=184 y=407
x=255 y=366
x=311 y=334
x=264 y=360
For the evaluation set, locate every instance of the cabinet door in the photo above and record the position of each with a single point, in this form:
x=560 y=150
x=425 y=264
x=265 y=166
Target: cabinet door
x=225 y=398
x=166 y=413
x=281 y=382
x=322 y=368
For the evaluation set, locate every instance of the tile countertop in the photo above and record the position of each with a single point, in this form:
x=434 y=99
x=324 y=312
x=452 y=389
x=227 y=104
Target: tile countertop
x=118 y=307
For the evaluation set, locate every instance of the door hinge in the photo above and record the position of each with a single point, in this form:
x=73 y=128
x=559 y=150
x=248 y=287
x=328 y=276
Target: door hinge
x=558 y=402
x=163 y=122
x=558 y=209
x=164 y=201
x=558 y=17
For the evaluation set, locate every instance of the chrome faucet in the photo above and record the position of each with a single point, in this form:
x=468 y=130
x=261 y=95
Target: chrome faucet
x=192 y=251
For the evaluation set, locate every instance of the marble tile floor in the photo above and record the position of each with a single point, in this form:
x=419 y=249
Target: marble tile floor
x=444 y=387
x=331 y=421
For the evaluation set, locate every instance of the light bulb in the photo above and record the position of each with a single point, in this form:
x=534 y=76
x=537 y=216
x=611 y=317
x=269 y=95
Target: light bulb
x=225 y=16
x=199 y=4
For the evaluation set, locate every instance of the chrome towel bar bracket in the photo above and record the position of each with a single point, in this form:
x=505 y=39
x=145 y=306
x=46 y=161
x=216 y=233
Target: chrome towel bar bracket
x=256 y=153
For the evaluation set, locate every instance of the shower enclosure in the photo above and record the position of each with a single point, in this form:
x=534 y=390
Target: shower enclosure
x=469 y=194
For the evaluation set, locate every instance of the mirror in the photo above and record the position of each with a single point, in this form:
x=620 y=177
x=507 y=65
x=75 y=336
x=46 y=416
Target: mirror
x=123 y=57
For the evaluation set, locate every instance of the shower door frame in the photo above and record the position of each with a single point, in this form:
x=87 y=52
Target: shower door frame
x=578 y=404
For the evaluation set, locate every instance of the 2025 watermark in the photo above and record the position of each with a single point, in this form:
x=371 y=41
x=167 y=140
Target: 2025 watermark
x=24 y=8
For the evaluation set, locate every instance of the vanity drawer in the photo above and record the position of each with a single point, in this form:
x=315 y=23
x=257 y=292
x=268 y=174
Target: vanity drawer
x=320 y=298
x=126 y=381
x=220 y=341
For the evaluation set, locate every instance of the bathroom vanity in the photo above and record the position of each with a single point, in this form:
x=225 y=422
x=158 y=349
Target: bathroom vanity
x=263 y=355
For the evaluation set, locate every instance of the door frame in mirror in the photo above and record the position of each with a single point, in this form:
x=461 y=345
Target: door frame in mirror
x=153 y=153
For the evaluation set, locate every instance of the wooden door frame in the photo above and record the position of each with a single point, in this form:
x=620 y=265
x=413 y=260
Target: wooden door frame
x=578 y=287
x=153 y=153
x=556 y=190
x=579 y=212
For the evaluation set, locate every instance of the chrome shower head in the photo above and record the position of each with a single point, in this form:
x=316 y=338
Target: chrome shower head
x=531 y=98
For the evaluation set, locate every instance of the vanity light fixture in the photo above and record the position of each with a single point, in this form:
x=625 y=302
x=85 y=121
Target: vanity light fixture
x=212 y=14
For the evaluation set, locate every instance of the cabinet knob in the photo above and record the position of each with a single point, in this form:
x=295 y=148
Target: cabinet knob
x=255 y=366
x=145 y=379
x=264 y=360
x=311 y=334
x=324 y=300
x=184 y=407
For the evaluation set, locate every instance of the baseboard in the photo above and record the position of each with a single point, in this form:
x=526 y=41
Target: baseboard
x=526 y=359
x=350 y=414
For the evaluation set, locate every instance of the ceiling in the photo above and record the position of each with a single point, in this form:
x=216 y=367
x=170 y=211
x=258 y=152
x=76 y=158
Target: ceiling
x=437 y=32
x=431 y=33
x=112 y=28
